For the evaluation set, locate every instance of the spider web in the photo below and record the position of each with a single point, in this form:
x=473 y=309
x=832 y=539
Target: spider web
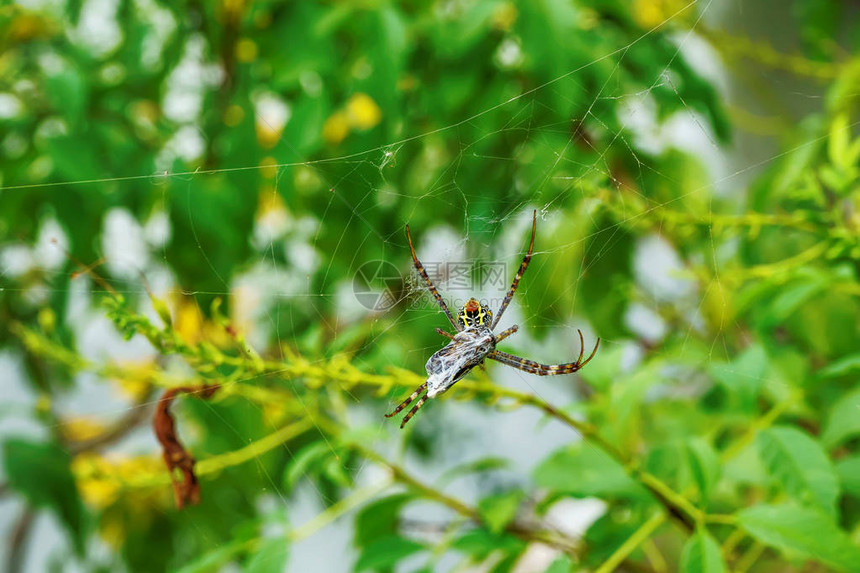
x=277 y=286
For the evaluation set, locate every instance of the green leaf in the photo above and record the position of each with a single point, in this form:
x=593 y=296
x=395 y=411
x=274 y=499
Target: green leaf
x=848 y=470
x=41 y=473
x=789 y=299
x=302 y=462
x=477 y=466
x=336 y=471
x=843 y=366
x=743 y=377
x=386 y=552
x=561 y=565
x=796 y=460
x=702 y=554
x=379 y=518
x=479 y=543
x=704 y=465
x=499 y=510
x=839 y=140
x=215 y=559
x=843 y=421
x=583 y=470
x=801 y=531
x=270 y=557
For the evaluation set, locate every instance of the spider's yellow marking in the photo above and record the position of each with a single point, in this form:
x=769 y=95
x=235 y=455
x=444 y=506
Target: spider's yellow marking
x=476 y=317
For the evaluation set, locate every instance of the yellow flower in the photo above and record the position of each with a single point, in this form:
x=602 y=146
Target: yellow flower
x=99 y=492
x=504 y=16
x=189 y=320
x=82 y=429
x=246 y=50
x=136 y=378
x=336 y=127
x=362 y=111
x=97 y=489
x=651 y=13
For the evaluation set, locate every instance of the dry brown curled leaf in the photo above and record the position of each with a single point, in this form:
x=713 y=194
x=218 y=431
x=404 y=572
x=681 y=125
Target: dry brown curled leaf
x=176 y=457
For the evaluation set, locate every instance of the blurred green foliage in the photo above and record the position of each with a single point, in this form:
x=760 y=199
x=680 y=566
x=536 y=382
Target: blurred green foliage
x=729 y=441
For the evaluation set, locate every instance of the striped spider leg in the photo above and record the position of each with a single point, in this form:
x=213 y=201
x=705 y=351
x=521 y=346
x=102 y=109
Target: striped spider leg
x=408 y=401
x=533 y=367
x=523 y=266
x=420 y=268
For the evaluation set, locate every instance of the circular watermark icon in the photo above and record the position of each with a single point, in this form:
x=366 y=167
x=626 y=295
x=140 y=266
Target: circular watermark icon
x=376 y=285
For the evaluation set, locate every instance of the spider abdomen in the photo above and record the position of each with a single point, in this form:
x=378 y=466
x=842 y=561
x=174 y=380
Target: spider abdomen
x=468 y=349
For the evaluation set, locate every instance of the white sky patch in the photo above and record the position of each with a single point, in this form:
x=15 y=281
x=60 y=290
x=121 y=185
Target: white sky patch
x=658 y=268
x=272 y=112
x=703 y=58
x=51 y=62
x=18 y=398
x=271 y=226
x=161 y=281
x=37 y=294
x=52 y=245
x=349 y=308
x=439 y=245
x=186 y=83
x=162 y=26
x=573 y=517
x=302 y=256
x=16 y=260
x=46 y=255
x=123 y=244
x=98 y=340
x=639 y=115
x=186 y=144
x=537 y=558
x=98 y=30
x=645 y=323
x=509 y=54
x=631 y=355
x=10 y=106
x=157 y=230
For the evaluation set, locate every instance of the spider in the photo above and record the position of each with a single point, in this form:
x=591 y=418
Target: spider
x=475 y=341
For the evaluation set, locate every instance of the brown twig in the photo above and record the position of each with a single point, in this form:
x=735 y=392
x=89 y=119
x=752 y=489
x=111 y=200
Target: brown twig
x=175 y=455
x=18 y=540
x=136 y=414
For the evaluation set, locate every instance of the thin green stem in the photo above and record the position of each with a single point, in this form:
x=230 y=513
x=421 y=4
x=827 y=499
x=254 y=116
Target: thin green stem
x=721 y=519
x=330 y=514
x=639 y=536
x=254 y=449
x=749 y=557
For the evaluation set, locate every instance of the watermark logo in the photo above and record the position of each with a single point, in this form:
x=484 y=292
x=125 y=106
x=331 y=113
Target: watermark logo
x=377 y=284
